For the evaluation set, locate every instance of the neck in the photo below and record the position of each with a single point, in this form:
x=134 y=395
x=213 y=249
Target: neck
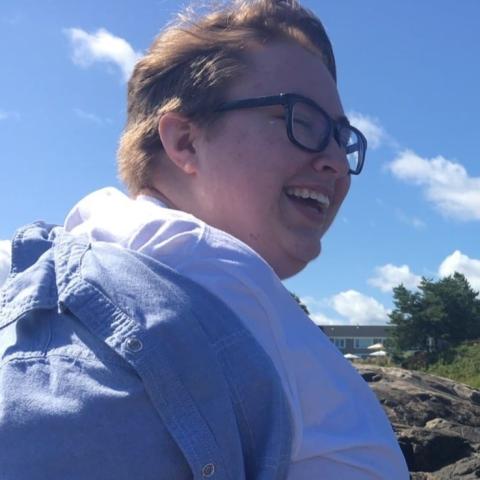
x=153 y=192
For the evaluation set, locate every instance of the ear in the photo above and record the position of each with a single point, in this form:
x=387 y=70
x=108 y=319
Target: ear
x=178 y=134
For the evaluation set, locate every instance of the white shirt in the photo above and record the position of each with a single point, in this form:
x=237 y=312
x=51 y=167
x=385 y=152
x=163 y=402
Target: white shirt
x=340 y=430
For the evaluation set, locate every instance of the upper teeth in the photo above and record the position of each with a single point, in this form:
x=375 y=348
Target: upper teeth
x=306 y=193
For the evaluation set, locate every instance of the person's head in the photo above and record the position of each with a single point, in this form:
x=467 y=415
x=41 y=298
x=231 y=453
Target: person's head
x=237 y=166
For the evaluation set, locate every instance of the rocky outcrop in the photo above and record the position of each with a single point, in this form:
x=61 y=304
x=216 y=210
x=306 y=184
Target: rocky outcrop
x=437 y=421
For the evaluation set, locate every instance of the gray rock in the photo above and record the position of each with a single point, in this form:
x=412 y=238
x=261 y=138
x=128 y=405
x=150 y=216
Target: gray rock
x=437 y=421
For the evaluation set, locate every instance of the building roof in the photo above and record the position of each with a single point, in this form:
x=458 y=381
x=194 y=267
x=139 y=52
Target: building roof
x=356 y=330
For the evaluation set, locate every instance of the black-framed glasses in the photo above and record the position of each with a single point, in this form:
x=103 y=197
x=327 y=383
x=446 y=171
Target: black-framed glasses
x=309 y=127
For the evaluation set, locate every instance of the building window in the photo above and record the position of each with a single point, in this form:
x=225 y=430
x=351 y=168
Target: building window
x=339 y=342
x=363 y=342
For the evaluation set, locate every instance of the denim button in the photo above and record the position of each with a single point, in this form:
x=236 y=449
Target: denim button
x=134 y=344
x=208 y=470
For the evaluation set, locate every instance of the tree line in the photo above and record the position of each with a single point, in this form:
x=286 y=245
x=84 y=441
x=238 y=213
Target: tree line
x=438 y=315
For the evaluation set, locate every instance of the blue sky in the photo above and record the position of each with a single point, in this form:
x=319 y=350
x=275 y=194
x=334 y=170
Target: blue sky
x=408 y=75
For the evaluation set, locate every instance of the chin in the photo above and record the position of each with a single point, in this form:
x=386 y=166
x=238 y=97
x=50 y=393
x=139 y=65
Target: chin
x=289 y=259
x=297 y=263
x=292 y=268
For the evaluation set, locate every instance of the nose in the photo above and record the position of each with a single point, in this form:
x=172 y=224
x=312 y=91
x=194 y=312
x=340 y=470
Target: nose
x=332 y=160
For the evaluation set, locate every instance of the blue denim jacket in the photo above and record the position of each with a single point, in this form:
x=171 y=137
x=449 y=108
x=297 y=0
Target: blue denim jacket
x=113 y=366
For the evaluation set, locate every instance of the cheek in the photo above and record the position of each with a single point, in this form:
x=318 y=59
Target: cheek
x=250 y=161
x=341 y=191
x=343 y=186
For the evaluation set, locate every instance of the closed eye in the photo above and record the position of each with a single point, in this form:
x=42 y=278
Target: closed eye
x=304 y=123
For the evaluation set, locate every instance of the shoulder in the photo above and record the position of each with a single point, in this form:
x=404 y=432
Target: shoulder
x=147 y=226
x=214 y=259
x=186 y=243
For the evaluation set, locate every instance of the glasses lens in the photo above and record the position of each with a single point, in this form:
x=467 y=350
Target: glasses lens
x=354 y=147
x=310 y=127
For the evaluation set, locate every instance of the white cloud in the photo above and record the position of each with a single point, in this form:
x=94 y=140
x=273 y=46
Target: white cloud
x=4 y=260
x=389 y=276
x=322 y=319
x=4 y=115
x=446 y=184
x=359 y=309
x=415 y=222
x=13 y=19
x=370 y=127
x=102 y=46
x=458 y=262
x=313 y=303
x=315 y=308
x=347 y=308
x=90 y=117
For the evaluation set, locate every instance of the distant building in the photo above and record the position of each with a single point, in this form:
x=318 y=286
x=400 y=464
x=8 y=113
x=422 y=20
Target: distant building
x=356 y=338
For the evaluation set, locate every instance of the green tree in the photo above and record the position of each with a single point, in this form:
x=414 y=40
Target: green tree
x=440 y=313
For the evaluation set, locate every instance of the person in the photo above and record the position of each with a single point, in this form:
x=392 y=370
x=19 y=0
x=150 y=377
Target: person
x=151 y=336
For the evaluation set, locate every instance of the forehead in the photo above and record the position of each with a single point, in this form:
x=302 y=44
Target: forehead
x=286 y=67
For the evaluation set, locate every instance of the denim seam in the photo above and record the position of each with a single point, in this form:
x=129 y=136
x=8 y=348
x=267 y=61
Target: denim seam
x=20 y=357
x=239 y=402
x=26 y=306
x=186 y=441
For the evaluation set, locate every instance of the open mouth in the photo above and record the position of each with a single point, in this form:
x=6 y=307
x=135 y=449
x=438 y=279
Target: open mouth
x=305 y=197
